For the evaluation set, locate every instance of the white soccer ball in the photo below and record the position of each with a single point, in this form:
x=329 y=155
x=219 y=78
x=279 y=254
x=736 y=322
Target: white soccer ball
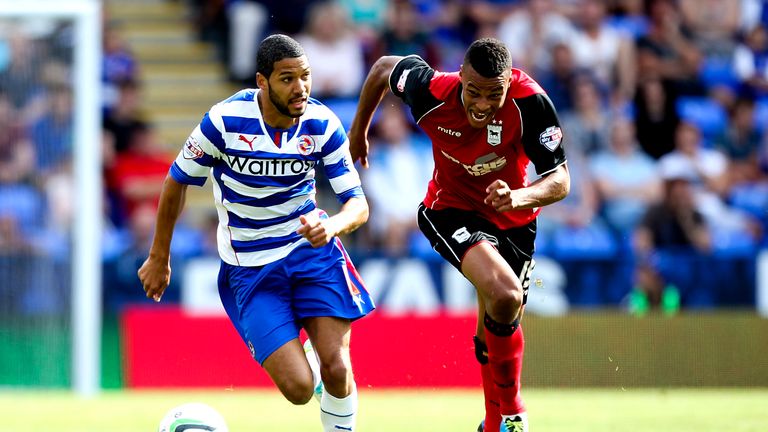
x=193 y=417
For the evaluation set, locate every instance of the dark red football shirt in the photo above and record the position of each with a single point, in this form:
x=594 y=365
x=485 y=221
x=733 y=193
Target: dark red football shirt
x=467 y=160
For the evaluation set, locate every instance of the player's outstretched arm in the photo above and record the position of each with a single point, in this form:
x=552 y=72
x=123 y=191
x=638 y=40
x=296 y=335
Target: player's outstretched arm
x=155 y=273
x=319 y=232
x=547 y=190
x=374 y=89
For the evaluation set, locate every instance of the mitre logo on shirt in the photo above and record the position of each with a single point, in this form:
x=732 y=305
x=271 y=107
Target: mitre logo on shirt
x=192 y=149
x=269 y=167
x=401 y=81
x=551 y=137
x=494 y=132
x=450 y=132
x=483 y=165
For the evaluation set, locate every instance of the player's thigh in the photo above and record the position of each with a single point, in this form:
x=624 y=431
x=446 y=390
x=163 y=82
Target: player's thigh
x=259 y=303
x=516 y=246
x=330 y=338
x=490 y=273
x=289 y=370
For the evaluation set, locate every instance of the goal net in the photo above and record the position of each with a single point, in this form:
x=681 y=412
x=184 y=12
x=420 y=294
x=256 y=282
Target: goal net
x=50 y=189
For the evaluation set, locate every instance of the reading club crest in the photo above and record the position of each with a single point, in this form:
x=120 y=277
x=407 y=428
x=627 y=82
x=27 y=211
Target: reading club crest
x=494 y=133
x=306 y=145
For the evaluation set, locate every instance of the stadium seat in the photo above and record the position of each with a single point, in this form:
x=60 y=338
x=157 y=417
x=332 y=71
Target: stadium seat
x=23 y=203
x=761 y=113
x=705 y=113
x=715 y=72
x=591 y=242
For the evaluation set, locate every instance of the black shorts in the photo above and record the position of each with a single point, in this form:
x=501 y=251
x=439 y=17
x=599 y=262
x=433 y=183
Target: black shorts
x=452 y=232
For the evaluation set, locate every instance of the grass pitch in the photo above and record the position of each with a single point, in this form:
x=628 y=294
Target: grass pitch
x=572 y=410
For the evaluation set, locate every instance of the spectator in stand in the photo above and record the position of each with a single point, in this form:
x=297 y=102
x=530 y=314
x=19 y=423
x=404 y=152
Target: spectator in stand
x=626 y=179
x=578 y=211
x=627 y=16
x=589 y=124
x=138 y=173
x=707 y=167
x=453 y=31
x=707 y=170
x=667 y=51
x=403 y=35
x=486 y=15
x=608 y=54
x=22 y=260
x=118 y=65
x=337 y=54
x=750 y=61
x=246 y=21
x=17 y=154
x=20 y=80
x=531 y=31
x=656 y=117
x=52 y=133
x=741 y=142
x=559 y=80
x=120 y=269
x=713 y=25
x=126 y=116
x=398 y=163
x=367 y=17
x=668 y=242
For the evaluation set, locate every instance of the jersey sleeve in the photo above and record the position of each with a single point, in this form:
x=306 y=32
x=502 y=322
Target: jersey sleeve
x=410 y=81
x=337 y=163
x=203 y=148
x=542 y=134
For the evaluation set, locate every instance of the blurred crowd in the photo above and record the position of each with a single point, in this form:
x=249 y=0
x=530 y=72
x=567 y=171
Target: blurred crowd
x=664 y=105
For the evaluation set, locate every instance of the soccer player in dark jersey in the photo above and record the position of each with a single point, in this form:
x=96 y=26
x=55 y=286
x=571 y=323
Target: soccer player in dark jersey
x=486 y=123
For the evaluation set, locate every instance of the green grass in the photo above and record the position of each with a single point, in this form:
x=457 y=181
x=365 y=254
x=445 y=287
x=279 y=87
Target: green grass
x=572 y=410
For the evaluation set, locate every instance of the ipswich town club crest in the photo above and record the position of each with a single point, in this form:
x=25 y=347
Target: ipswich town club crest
x=306 y=145
x=494 y=133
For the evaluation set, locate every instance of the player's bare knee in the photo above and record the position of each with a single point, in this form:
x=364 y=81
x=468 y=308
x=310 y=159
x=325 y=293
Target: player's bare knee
x=505 y=304
x=297 y=392
x=336 y=372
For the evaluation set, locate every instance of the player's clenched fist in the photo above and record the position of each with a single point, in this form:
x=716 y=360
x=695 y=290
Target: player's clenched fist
x=315 y=230
x=155 y=275
x=500 y=196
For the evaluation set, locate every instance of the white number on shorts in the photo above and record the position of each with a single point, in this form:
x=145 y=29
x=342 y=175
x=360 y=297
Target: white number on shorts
x=525 y=273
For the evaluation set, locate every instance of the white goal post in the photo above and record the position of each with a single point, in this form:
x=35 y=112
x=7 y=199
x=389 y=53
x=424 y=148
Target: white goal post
x=86 y=296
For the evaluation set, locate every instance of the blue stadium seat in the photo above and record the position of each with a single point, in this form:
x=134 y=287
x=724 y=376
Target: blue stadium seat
x=761 y=113
x=718 y=72
x=732 y=243
x=590 y=242
x=23 y=203
x=705 y=113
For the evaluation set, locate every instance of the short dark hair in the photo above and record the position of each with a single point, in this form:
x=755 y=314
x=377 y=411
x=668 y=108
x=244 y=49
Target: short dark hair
x=488 y=56
x=273 y=49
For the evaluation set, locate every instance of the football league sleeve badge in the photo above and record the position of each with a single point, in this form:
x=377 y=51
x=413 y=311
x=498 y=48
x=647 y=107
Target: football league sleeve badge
x=551 y=138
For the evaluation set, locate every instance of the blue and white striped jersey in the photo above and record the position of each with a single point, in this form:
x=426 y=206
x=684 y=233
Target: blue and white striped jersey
x=264 y=179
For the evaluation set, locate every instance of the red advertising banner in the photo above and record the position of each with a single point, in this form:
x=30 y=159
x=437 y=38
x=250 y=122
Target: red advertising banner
x=166 y=347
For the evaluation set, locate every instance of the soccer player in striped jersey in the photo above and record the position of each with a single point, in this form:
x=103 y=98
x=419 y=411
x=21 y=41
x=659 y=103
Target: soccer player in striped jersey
x=486 y=123
x=283 y=266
